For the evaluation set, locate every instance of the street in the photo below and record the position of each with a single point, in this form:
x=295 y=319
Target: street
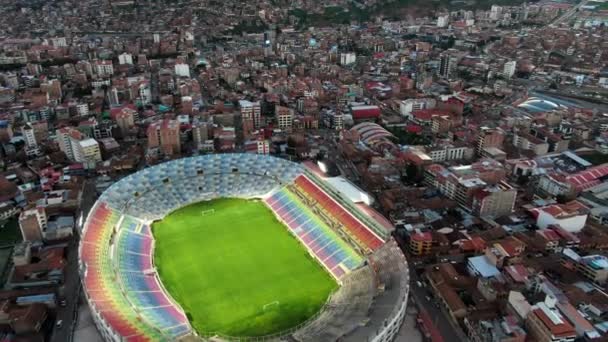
x=443 y=323
x=71 y=287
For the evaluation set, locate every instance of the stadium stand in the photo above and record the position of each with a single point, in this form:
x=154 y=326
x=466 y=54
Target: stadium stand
x=369 y=306
x=128 y=301
x=343 y=218
x=323 y=243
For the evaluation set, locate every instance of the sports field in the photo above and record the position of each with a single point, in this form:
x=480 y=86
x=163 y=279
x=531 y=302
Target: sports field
x=236 y=270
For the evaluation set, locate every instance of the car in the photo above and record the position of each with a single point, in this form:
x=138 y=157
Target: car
x=419 y=284
x=63 y=303
x=59 y=324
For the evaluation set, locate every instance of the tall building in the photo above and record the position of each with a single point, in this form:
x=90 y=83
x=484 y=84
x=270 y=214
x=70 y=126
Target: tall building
x=64 y=136
x=495 y=12
x=251 y=115
x=29 y=136
x=77 y=147
x=443 y=20
x=32 y=222
x=164 y=134
x=113 y=97
x=348 y=58
x=125 y=119
x=144 y=93
x=446 y=67
x=284 y=117
x=86 y=151
x=200 y=133
x=509 y=69
x=125 y=58
x=104 y=68
x=490 y=137
x=494 y=201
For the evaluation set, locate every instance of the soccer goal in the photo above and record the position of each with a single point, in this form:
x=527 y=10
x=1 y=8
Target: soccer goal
x=207 y=212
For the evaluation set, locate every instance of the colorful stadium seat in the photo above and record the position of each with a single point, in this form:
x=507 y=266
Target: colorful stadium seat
x=353 y=226
x=320 y=240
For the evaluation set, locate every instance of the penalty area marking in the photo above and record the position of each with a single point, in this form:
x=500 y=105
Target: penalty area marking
x=276 y=302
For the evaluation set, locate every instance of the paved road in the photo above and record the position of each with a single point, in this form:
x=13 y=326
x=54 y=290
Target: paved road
x=446 y=327
x=569 y=13
x=71 y=287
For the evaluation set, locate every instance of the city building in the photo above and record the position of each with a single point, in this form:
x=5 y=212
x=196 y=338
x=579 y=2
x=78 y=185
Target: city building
x=571 y=216
x=284 y=118
x=447 y=65
x=164 y=135
x=182 y=70
x=546 y=324
x=420 y=243
x=509 y=69
x=104 y=68
x=32 y=222
x=86 y=151
x=494 y=201
x=408 y=106
x=490 y=138
x=251 y=115
x=593 y=267
x=125 y=58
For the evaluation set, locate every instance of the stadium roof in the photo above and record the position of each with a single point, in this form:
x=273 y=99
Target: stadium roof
x=588 y=178
x=369 y=132
x=348 y=189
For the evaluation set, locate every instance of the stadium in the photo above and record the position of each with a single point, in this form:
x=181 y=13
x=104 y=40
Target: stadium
x=239 y=247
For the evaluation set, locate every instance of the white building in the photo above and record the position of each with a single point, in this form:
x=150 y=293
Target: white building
x=59 y=42
x=63 y=140
x=29 y=136
x=445 y=153
x=144 y=93
x=104 y=68
x=408 y=106
x=443 y=21
x=347 y=58
x=509 y=69
x=571 y=216
x=263 y=146
x=125 y=58
x=495 y=12
x=82 y=109
x=86 y=151
x=182 y=70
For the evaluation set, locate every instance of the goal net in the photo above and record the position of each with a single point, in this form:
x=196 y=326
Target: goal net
x=207 y=212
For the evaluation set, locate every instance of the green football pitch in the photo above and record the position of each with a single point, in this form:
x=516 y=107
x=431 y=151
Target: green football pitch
x=236 y=270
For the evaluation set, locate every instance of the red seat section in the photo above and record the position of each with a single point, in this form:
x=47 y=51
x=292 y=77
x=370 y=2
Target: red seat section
x=354 y=226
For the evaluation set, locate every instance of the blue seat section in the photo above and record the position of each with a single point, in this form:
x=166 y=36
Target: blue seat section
x=133 y=254
x=154 y=192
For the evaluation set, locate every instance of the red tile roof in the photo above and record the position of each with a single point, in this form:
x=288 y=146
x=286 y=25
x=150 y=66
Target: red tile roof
x=562 y=329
